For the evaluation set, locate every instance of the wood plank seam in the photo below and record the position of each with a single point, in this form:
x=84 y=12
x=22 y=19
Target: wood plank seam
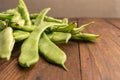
x=107 y=21
x=115 y=42
x=77 y=21
x=92 y=56
x=111 y=23
x=80 y=60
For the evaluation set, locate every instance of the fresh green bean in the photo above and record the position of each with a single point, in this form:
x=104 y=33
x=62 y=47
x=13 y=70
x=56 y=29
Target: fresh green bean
x=53 y=54
x=51 y=19
x=29 y=50
x=41 y=16
x=68 y=28
x=85 y=36
x=59 y=37
x=81 y=28
x=5 y=16
x=6 y=43
x=22 y=9
x=20 y=35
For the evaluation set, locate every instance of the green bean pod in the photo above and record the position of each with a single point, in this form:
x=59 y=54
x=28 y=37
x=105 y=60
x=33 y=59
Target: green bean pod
x=59 y=37
x=67 y=29
x=20 y=35
x=5 y=16
x=22 y=9
x=85 y=37
x=41 y=16
x=53 y=54
x=81 y=28
x=51 y=19
x=6 y=43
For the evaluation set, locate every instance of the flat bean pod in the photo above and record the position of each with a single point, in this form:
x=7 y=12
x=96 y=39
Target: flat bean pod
x=53 y=54
x=85 y=36
x=22 y=9
x=41 y=16
x=6 y=43
x=59 y=37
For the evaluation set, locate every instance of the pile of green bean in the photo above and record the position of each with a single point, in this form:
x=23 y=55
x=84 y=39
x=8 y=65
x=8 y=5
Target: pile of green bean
x=39 y=33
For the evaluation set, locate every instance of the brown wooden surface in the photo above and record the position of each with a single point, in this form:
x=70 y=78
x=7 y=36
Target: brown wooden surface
x=98 y=60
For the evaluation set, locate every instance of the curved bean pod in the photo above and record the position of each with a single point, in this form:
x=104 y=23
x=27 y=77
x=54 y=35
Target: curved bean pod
x=81 y=28
x=41 y=16
x=53 y=54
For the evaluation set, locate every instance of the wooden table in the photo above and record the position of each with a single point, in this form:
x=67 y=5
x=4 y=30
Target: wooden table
x=98 y=60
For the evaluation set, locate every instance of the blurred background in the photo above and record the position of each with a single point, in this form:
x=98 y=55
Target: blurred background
x=70 y=8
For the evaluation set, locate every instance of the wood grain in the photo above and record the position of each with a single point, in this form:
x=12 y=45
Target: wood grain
x=115 y=22
x=100 y=59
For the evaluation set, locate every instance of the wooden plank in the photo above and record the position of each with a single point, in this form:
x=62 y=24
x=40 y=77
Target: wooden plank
x=100 y=59
x=42 y=70
x=115 y=22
